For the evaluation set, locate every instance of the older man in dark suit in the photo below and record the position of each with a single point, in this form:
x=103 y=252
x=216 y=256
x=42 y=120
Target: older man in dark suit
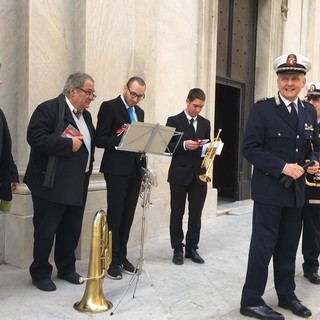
x=121 y=169
x=184 y=174
x=280 y=136
x=61 y=136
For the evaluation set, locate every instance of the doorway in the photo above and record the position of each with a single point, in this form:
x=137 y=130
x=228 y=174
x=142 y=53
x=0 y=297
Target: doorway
x=227 y=113
x=235 y=76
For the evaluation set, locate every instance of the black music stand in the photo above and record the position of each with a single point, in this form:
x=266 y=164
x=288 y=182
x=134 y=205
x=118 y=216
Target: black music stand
x=152 y=138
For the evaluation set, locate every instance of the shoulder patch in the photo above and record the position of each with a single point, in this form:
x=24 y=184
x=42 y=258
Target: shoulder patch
x=261 y=100
x=306 y=103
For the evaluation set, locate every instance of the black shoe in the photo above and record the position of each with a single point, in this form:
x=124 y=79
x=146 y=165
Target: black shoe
x=296 y=307
x=313 y=277
x=261 y=312
x=114 y=272
x=72 y=277
x=194 y=256
x=127 y=267
x=45 y=284
x=178 y=257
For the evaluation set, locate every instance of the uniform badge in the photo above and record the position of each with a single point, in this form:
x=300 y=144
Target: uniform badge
x=292 y=60
x=312 y=88
x=308 y=127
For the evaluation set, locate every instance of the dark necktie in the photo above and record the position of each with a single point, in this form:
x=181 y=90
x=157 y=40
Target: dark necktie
x=77 y=113
x=192 y=128
x=130 y=111
x=294 y=114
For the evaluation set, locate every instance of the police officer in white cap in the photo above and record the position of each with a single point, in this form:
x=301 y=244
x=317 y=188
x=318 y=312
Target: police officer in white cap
x=311 y=210
x=281 y=135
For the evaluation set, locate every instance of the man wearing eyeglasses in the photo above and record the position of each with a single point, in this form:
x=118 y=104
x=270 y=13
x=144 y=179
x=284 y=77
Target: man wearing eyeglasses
x=122 y=169
x=61 y=136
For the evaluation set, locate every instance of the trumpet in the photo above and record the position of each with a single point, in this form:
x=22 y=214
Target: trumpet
x=209 y=158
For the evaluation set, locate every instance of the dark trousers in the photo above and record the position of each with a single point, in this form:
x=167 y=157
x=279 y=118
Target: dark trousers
x=196 y=194
x=275 y=233
x=122 y=197
x=311 y=237
x=59 y=222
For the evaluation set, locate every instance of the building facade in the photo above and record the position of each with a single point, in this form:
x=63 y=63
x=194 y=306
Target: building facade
x=224 y=47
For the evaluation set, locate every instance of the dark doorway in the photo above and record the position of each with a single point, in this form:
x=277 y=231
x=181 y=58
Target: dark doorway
x=236 y=45
x=225 y=173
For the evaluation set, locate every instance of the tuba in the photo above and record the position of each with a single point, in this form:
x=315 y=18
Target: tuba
x=209 y=158
x=93 y=300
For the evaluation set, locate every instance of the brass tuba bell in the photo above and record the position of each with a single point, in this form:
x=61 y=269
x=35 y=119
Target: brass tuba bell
x=209 y=158
x=93 y=300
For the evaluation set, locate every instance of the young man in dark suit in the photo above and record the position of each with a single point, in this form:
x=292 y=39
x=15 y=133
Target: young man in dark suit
x=184 y=174
x=57 y=175
x=311 y=210
x=121 y=169
x=280 y=137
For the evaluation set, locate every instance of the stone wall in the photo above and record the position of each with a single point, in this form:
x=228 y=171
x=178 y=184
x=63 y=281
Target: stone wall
x=171 y=44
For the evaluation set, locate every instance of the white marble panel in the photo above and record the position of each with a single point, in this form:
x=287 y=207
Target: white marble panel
x=8 y=71
x=18 y=240
x=177 y=39
x=84 y=245
x=51 y=48
x=2 y=231
x=22 y=203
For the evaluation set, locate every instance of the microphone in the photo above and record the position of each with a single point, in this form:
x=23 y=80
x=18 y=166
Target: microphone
x=286 y=180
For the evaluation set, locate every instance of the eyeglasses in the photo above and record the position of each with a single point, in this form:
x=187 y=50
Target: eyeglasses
x=88 y=93
x=135 y=95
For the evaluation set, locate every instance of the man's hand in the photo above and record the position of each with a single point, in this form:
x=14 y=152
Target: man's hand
x=14 y=186
x=313 y=169
x=191 y=145
x=293 y=170
x=76 y=143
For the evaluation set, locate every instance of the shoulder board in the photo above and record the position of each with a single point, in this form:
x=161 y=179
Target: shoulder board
x=261 y=100
x=304 y=103
x=277 y=99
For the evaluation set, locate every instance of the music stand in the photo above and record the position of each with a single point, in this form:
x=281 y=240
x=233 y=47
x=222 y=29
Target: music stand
x=152 y=138
x=148 y=138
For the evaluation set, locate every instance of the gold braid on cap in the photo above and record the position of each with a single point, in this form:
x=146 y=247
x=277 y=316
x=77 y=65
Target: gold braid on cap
x=291 y=69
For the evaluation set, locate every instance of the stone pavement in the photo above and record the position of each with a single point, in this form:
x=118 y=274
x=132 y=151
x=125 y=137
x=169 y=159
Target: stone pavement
x=163 y=290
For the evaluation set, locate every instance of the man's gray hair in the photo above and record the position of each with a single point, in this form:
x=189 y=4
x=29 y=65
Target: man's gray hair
x=76 y=80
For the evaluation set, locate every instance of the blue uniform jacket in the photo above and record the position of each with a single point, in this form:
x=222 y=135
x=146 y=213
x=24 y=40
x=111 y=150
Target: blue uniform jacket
x=270 y=141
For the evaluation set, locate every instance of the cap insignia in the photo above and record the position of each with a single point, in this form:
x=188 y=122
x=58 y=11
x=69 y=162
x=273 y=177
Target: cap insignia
x=292 y=60
x=312 y=88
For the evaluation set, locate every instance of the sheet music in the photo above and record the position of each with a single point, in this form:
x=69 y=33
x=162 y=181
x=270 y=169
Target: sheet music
x=146 y=137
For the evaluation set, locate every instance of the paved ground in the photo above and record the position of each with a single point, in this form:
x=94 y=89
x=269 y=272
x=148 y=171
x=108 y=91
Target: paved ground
x=164 y=290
